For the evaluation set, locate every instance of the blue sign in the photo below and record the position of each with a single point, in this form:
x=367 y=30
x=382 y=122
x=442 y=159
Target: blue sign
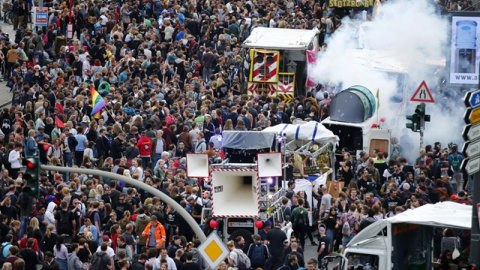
x=474 y=99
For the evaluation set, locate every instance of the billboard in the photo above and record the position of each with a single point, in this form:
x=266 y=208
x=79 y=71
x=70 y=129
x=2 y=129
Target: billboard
x=350 y=3
x=464 y=52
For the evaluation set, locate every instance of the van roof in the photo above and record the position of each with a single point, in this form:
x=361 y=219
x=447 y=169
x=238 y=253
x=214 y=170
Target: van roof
x=460 y=217
x=280 y=38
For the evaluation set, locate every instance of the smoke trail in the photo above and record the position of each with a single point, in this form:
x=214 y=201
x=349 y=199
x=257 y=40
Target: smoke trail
x=408 y=37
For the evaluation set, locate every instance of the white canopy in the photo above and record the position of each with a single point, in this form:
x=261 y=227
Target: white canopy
x=309 y=131
x=280 y=38
x=444 y=214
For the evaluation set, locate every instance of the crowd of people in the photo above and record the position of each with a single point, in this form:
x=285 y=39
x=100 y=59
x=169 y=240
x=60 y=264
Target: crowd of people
x=172 y=76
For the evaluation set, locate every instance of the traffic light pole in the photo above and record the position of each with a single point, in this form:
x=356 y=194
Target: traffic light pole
x=475 y=232
x=155 y=192
x=421 y=138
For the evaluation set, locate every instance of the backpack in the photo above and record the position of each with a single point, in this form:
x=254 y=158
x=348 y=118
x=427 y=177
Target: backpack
x=455 y=162
x=258 y=258
x=72 y=143
x=97 y=262
x=64 y=222
x=300 y=220
x=346 y=230
x=2 y=248
x=243 y=262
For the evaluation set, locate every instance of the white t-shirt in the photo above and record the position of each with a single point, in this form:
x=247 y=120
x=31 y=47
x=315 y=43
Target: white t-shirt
x=104 y=19
x=110 y=251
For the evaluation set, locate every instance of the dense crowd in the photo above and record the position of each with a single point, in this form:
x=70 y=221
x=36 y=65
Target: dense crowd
x=172 y=76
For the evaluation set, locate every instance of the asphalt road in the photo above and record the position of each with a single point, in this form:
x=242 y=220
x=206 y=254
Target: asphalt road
x=5 y=94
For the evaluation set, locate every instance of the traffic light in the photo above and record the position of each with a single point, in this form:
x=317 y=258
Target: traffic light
x=418 y=118
x=420 y=110
x=471 y=267
x=31 y=176
x=415 y=124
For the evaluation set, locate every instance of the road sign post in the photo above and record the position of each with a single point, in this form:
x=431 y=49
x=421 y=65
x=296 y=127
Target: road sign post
x=471 y=165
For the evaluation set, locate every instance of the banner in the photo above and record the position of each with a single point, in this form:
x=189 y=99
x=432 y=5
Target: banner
x=41 y=16
x=464 y=54
x=350 y=3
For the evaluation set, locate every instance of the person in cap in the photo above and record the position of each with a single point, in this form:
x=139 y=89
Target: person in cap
x=174 y=246
x=155 y=234
x=267 y=226
x=112 y=221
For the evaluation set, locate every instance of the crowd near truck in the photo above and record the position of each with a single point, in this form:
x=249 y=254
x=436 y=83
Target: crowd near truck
x=404 y=241
x=277 y=61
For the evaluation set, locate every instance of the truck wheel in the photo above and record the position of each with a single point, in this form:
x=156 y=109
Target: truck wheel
x=245 y=234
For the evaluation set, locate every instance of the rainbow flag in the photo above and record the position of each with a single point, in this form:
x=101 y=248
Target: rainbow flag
x=97 y=101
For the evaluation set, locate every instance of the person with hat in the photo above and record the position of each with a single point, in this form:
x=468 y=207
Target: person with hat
x=154 y=233
x=112 y=221
x=174 y=246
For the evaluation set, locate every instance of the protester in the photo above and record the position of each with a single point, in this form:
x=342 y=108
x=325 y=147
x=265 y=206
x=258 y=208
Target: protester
x=141 y=85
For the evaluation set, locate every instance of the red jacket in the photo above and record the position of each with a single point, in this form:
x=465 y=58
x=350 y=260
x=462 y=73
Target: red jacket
x=144 y=146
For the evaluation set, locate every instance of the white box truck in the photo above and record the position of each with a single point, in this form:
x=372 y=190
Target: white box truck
x=404 y=241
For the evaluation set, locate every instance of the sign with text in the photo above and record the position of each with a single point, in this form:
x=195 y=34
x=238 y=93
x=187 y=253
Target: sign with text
x=350 y=3
x=472 y=116
x=471 y=166
x=472 y=99
x=41 y=16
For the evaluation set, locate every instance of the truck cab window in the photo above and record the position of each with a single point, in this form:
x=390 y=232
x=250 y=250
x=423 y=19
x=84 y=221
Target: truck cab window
x=362 y=261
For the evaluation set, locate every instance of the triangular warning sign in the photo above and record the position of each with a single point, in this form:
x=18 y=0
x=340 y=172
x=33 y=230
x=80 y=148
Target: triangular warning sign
x=422 y=94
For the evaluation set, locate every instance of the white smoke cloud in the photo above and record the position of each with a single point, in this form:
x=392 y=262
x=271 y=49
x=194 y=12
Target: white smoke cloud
x=408 y=36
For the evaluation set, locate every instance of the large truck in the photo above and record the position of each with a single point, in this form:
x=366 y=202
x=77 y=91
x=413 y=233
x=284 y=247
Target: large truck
x=277 y=61
x=354 y=119
x=404 y=241
x=241 y=199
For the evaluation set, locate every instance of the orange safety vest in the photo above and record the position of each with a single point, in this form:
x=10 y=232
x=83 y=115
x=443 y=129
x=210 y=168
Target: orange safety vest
x=160 y=235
